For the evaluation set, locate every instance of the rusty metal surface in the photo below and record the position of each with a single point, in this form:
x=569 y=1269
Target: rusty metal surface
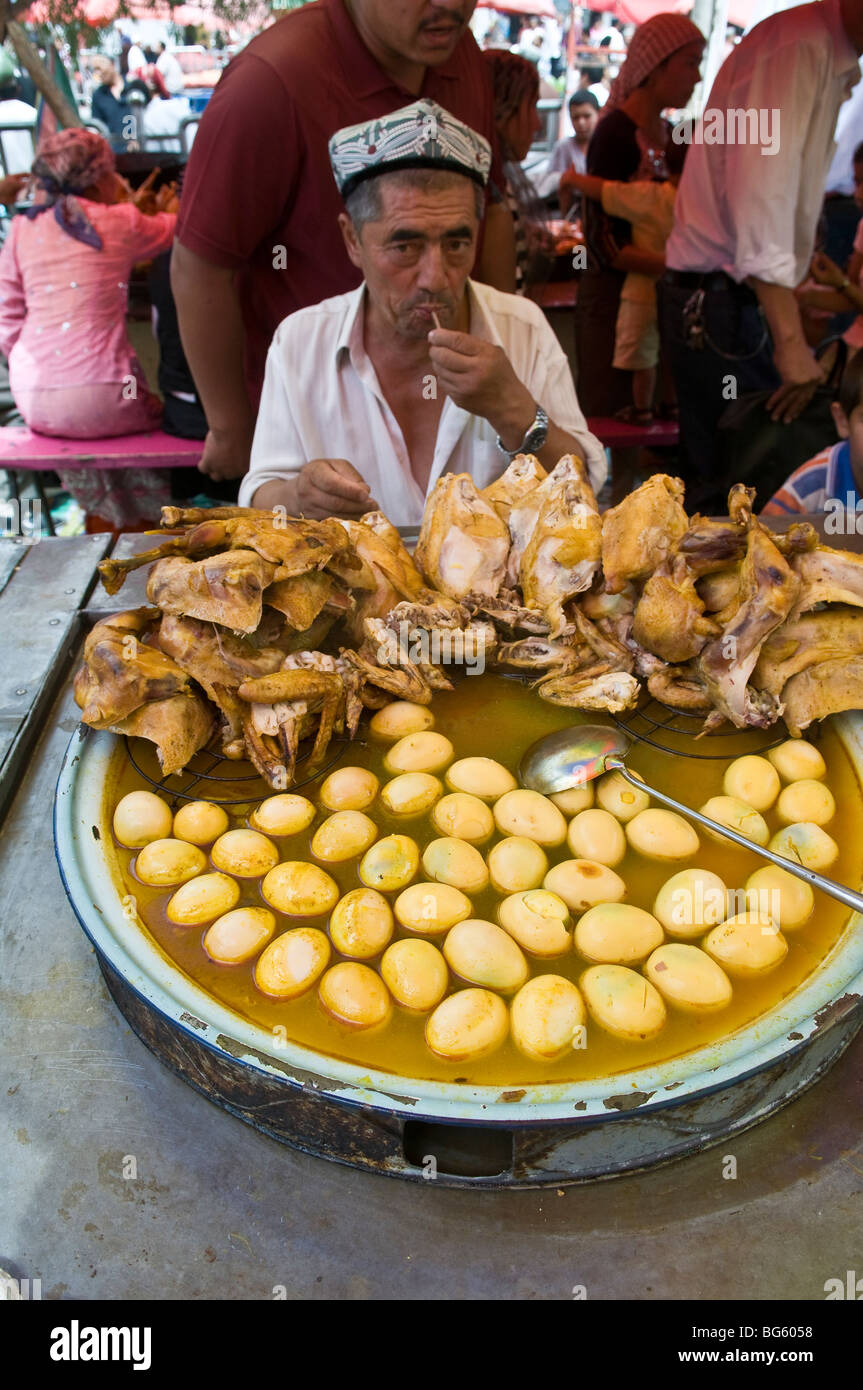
x=524 y=1156
x=42 y=586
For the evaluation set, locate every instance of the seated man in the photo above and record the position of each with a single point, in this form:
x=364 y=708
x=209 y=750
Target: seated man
x=370 y=396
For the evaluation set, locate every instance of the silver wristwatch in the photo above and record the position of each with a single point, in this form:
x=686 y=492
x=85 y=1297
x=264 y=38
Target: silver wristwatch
x=535 y=438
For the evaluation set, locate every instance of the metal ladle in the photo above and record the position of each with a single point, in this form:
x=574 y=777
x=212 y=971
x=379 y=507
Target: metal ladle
x=572 y=757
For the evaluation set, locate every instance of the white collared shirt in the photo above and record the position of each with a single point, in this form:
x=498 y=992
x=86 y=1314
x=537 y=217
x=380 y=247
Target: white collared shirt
x=322 y=399
x=753 y=213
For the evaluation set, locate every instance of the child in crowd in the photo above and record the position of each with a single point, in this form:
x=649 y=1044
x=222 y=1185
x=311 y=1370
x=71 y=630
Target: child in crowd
x=570 y=154
x=649 y=205
x=836 y=474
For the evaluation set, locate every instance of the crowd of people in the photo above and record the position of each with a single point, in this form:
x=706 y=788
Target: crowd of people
x=354 y=246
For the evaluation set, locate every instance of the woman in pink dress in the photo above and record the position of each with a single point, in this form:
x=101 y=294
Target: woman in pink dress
x=64 y=278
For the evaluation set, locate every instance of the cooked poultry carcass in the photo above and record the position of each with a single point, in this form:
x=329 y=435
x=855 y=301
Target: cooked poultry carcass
x=639 y=533
x=603 y=645
x=524 y=514
x=179 y=726
x=720 y=592
x=800 y=537
x=679 y=687
x=398 y=644
x=510 y=616
x=521 y=477
x=768 y=591
x=226 y=588
x=537 y=654
x=669 y=620
x=828 y=635
x=827 y=576
x=121 y=672
x=394 y=576
x=300 y=599
x=599 y=603
x=280 y=702
x=610 y=690
x=709 y=547
x=218 y=661
x=463 y=544
x=563 y=553
x=292 y=544
x=828 y=688
x=403 y=680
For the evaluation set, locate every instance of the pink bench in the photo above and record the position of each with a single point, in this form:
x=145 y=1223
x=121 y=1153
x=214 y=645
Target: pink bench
x=22 y=451
x=614 y=434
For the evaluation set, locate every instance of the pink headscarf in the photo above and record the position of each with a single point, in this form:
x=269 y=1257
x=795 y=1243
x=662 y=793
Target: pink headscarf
x=70 y=162
x=651 y=44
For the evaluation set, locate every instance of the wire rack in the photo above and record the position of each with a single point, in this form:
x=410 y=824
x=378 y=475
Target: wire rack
x=676 y=731
x=210 y=776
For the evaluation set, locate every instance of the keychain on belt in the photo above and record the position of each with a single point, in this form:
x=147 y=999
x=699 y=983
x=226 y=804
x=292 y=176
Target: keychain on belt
x=693 y=320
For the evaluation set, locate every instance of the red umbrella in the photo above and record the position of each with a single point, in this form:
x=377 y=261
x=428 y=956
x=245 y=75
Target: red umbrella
x=740 y=12
x=527 y=7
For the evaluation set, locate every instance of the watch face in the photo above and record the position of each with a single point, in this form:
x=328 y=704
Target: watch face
x=535 y=438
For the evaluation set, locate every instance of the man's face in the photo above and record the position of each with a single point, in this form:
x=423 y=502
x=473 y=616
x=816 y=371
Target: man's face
x=417 y=256
x=422 y=31
x=584 y=118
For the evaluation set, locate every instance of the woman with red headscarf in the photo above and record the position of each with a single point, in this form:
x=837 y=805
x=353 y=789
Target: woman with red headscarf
x=630 y=141
x=64 y=273
x=515 y=83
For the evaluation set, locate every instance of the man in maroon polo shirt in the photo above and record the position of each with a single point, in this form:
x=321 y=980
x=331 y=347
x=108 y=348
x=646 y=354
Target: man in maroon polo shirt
x=258 y=234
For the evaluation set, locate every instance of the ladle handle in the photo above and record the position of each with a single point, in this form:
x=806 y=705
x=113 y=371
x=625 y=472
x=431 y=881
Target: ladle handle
x=827 y=885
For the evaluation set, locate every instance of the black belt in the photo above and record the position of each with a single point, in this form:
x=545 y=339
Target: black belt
x=708 y=280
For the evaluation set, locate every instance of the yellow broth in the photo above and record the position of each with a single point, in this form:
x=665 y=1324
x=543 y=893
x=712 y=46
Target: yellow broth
x=499 y=717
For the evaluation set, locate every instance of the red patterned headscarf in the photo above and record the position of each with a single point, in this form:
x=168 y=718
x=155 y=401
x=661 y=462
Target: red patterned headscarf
x=650 y=45
x=67 y=164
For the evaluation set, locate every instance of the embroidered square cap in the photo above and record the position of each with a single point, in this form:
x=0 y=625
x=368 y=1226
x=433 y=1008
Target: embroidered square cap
x=420 y=136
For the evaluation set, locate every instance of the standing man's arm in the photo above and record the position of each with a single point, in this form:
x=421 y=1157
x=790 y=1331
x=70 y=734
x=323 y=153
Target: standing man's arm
x=211 y=327
x=792 y=356
x=234 y=195
x=496 y=264
x=765 y=192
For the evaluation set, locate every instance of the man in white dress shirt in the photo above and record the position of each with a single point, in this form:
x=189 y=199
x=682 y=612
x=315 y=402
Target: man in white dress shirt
x=745 y=221
x=370 y=396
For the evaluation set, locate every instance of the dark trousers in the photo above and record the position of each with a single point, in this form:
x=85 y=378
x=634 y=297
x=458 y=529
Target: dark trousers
x=602 y=389
x=736 y=358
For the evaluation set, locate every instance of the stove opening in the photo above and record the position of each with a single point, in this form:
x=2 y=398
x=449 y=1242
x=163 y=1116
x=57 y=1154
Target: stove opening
x=463 y=1151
